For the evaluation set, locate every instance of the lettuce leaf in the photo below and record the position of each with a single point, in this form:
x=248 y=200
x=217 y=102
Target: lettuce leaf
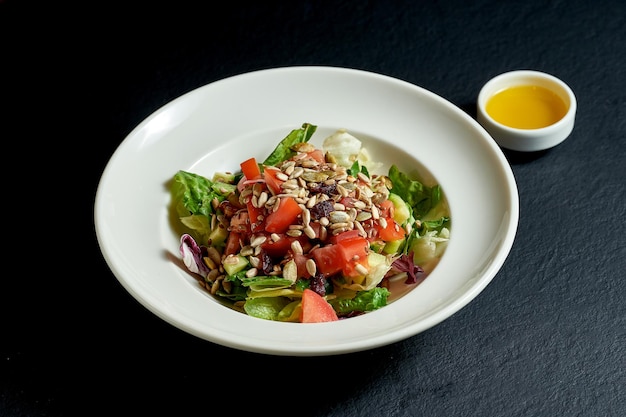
x=417 y=195
x=363 y=301
x=267 y=308
x=191 y=198
x=283 y=149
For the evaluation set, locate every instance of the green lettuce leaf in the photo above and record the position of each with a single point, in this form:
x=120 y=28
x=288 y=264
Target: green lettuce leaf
x=191 y=198
x=363 y=301
x=283 y=149
x=267 y=308
x=420 y=197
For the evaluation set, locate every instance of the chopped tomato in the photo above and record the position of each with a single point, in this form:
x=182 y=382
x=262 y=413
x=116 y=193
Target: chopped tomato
x=233 y=243
x=355 y=253
x=386 y=209
x=250 y=169
x=348 y=201
x=391 y=231
x=256 y=216
x=287 y=213
x=271 y=179
x=354 y=248
x=315 y=309
x=280 y=247
x=329 y=259
x=349 y=234
x=342 y=257
x=317 y=155
x=317 y=228
x=300 y=261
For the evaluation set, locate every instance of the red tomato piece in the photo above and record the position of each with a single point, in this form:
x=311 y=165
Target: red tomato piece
x=280 y=248
x=287 y=213
x=317 y=227
x=354 y=248
x=250 y=169
x=233 y=243
x=355 y=253
x=317 y=155
x=300 y=261
x=329 y=259
x=347 y=201
x=386 y=209
x=349 y=234
x=315 y=309
x=271 y=179
x=391 y=231
x=256 y=216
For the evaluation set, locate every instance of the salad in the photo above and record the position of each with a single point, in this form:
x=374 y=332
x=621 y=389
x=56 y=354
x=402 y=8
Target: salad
x=309 y=234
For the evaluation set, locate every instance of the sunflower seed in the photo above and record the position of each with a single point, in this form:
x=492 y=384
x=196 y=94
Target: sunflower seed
x=308 y=230
x=257 y=241
x=296 y=247
x=311 y=267
x=361 y=269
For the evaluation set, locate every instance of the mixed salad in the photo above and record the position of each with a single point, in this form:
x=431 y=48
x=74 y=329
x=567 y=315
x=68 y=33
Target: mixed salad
x=308 y=234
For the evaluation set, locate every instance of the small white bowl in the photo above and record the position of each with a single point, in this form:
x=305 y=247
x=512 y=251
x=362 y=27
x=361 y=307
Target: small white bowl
x=522 y=138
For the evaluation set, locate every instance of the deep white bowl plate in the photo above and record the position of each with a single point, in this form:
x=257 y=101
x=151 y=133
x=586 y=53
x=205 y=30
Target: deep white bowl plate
x=215 y=127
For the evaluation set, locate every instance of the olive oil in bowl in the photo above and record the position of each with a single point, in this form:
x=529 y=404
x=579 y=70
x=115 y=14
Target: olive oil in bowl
x=526 y=110
x=526 y=107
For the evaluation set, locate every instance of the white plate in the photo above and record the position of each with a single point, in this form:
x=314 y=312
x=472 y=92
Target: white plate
x=215 y=127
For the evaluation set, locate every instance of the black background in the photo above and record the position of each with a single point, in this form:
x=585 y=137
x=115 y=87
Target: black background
x=546 y=338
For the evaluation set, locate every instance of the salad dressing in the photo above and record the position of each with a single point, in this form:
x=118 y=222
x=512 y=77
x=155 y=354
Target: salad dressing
x=526 y=107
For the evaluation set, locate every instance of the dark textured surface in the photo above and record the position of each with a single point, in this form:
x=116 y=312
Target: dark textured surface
x=546 y=338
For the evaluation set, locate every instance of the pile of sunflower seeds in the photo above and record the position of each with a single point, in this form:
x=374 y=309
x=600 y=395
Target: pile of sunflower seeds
x=312 y=184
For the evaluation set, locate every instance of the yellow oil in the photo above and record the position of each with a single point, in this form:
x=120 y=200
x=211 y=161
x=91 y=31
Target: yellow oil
x=526 y=107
